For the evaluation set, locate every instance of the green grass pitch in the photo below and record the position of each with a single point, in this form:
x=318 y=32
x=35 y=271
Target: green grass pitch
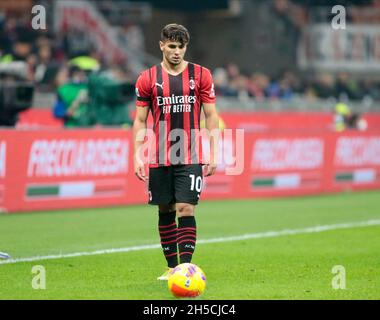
x=295 y=266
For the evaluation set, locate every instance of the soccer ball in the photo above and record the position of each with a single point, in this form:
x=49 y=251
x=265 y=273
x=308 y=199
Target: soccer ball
x=187 y=280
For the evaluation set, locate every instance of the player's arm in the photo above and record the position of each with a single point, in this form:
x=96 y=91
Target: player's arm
x=207 y=95
x=212 y=125
x=143 y=102
x=139 y=131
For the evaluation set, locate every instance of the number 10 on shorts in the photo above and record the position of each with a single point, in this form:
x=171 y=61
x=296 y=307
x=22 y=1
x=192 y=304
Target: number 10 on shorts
x=196 y=183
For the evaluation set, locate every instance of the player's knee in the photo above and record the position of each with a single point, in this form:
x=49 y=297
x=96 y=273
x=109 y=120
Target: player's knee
x=185 y=209
x=166 y=207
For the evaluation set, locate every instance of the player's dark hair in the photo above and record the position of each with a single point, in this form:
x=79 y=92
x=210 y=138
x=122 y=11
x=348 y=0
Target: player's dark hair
x=175 y=32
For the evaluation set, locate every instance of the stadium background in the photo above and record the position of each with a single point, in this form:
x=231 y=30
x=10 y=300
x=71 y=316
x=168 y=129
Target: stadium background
x=306 y=95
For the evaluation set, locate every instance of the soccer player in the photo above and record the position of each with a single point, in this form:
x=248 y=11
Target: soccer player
x=175 y=92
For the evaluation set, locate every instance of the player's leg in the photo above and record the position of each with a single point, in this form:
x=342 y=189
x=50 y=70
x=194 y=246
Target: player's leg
x=161 y=194
x=188 y=187
x=187 y=231
x=167 y=227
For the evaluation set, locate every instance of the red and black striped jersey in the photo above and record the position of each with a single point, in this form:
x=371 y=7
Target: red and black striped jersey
x=175 y=103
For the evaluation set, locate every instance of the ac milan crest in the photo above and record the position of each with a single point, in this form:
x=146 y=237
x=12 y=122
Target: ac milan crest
x=192 y=84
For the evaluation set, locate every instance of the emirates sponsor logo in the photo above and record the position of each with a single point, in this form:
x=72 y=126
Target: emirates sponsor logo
x=176 y=104
x=173 y=99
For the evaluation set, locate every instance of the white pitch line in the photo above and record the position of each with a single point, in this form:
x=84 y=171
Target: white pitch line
x=259 y=235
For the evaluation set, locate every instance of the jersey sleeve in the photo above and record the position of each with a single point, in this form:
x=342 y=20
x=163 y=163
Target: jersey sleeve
x=207 y=92
x=143 y=90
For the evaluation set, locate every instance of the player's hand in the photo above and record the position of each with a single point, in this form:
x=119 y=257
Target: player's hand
x=210 y=169
x=140 y=170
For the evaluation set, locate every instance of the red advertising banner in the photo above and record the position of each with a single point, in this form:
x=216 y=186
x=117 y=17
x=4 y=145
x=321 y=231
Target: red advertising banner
x=37 y=118
x=257 y=121
x=61 y=169
x=294 y=164
x=3 y=163
x=356 y=161
x=55 y=169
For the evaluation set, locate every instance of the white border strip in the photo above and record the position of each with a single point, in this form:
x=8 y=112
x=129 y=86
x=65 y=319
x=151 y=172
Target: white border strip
x=259 y=235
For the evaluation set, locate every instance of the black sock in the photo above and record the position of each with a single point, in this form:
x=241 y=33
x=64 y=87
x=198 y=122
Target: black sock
x=187 y=236
x=167 y=228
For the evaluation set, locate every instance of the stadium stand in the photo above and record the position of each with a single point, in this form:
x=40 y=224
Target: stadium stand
x=47 y=54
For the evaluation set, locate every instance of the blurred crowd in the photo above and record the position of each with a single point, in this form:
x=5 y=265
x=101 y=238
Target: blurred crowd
x=42 y=53
x=301 y=12
x=88 y=90
x=47 y=56
x=231 y=82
